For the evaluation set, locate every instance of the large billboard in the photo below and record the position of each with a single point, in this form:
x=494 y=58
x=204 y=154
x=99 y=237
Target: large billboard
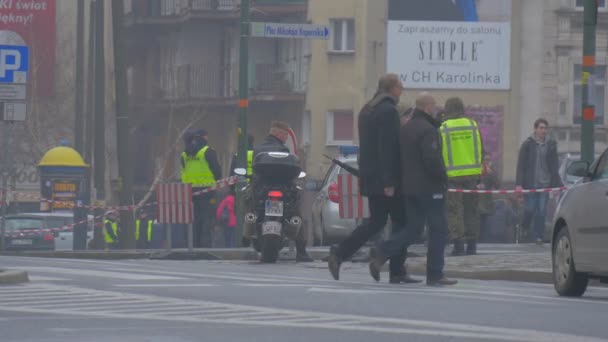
x=450 y=44
x=32 y=23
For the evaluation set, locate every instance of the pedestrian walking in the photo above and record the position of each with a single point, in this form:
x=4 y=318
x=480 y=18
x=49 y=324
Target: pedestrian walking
x=424 y=186
x=537 y=168
x=380 y=178
x=463 y=157
x=200 y=167
x=226 y=218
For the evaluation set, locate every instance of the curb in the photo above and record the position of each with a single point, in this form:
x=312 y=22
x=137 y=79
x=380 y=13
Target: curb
x=13 y=277
x=502 y=275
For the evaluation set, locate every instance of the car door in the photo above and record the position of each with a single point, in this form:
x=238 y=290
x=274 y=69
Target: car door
x=591 y=240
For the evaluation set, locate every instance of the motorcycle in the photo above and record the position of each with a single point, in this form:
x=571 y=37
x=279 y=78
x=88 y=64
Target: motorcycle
x=273 y=199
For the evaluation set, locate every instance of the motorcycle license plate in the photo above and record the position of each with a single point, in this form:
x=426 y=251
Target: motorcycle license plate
x=271 y=227
x=274 y=208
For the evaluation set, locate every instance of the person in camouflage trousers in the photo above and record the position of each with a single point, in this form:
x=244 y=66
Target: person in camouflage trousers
x=463 y=209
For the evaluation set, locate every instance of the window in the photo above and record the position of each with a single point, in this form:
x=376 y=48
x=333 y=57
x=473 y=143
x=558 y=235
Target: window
x=601 y=4
x=340 y=127
x=602 y=168
x=342 y=35
x=598 y=97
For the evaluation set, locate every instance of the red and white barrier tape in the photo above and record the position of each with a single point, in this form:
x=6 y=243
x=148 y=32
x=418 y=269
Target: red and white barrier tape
x=218 y=185
x=506 y=192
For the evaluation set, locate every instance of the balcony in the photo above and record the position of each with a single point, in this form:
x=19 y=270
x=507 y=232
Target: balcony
x=271 y=78
x=156 y=12
x=191 y=82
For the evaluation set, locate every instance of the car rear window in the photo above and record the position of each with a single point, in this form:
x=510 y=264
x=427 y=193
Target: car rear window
x=15 y=224
x=57 y=222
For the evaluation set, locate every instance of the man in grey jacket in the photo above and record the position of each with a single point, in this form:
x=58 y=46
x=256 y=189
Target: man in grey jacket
x=537 y=168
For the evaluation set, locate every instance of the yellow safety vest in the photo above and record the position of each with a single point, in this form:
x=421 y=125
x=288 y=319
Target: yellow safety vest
x=149 y=232
x=196 y=170
x=249 y=163
x=107 y=237
x=462 y=150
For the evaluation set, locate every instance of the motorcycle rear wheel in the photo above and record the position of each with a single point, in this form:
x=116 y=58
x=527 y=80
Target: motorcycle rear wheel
x=271 y=245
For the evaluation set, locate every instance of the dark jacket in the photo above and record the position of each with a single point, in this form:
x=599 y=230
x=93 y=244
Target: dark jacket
x=379 y=146
x=421 y=156
x=270 y=144
x=526 y=164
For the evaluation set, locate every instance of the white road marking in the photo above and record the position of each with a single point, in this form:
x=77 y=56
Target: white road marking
x=164 y=285
x=101 y=274
x=193 y=311
x=286 y=285
x=41 y=278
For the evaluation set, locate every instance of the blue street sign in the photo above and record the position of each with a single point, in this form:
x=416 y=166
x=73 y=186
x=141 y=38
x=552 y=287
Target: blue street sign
x=14 y=63
x=287 y=30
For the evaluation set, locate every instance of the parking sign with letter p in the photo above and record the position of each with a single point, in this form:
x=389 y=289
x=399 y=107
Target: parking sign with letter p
x=14 y=62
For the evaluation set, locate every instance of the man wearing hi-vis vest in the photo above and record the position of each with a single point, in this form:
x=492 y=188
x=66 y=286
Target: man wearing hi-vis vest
x=233 y=164
x=111 y=230
x=143 y=230
x=463 y=157
x=200 y=167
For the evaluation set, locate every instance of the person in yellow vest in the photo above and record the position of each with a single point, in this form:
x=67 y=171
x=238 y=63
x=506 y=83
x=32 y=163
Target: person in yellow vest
x=111 y=230
x=201 y=168
x=143 y=230
x=233 y=163
x=463 y=158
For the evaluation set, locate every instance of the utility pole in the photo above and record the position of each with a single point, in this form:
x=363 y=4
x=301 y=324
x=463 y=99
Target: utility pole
x=79 y=101
x=243 y=106
x=89 y=127
x=125 y=167
x=588 y=110
x=100 y=102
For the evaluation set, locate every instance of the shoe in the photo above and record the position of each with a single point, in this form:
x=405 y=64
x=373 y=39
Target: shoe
x=376 y=261
x=403 y=279
x=334 y=262
x=458 y=248
x=472 y=247
x=304 y=257
x=441 y=282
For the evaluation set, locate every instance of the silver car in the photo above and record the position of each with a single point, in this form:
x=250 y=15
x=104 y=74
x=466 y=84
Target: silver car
x=580 y=229
x=328 y=226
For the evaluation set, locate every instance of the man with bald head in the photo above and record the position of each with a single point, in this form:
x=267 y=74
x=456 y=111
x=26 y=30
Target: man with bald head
x=424 y=186
x=379 y=178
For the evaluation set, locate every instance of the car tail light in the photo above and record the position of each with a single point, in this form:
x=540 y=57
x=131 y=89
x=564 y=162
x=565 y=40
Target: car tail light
x=333 y=193
x=275 y=194
x=48 y=237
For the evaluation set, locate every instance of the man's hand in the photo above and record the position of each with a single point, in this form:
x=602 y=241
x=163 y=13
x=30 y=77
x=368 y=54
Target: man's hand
x=389 y=192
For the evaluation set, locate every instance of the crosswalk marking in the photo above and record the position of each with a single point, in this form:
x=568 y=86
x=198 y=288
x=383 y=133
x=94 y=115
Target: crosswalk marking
x=108 y=304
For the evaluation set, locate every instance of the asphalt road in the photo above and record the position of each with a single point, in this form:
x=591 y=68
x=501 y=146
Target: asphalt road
x=151 y=300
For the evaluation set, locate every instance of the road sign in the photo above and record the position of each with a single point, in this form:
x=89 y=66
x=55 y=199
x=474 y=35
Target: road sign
x=13 y=111
x=12 y=91
x=14 y=63
x=351 y=204
x=174 y=203
x=288 y=30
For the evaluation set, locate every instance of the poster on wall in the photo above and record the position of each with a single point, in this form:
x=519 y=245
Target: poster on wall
x=490 y=121
x=450 y=44
x=32 y=23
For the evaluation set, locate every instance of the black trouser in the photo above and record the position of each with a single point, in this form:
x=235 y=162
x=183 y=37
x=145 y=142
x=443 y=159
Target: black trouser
x=429 y=209
x=380 y=207
x=204 y=219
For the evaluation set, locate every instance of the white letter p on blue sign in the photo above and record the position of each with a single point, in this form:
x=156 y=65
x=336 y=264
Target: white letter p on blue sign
x=14 y=61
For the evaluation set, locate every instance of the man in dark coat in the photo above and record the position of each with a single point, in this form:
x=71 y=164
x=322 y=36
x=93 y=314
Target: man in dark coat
x=424 y=185
x=379 y=176
x=275 y=142
x=537 y=168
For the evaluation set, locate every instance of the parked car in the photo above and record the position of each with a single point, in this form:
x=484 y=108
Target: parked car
x=580 y=229
x=21 y=231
